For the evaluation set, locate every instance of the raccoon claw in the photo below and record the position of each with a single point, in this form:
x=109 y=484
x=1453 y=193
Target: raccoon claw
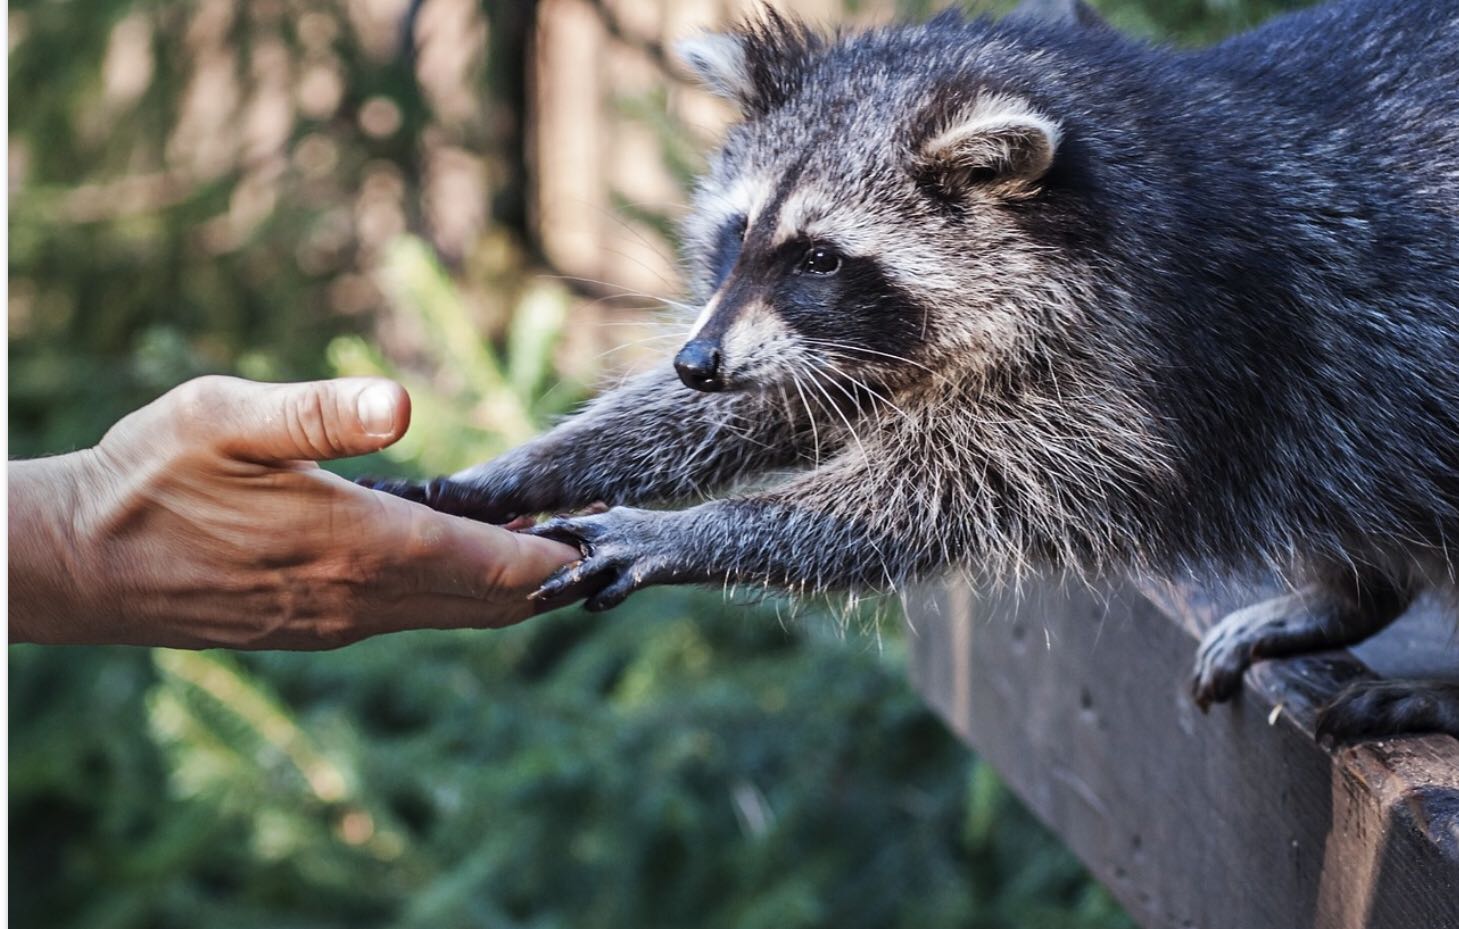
x=446 y=496
x=619 y=557
x=1222 y=659
x=1375 y=709
x=561 y=582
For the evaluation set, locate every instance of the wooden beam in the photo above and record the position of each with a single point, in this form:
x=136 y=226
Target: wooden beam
x=1232 y=820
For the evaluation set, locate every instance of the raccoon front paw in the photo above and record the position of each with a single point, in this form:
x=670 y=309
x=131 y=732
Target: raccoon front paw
x=623 y=550
x=1378 y=709
x=447 y=495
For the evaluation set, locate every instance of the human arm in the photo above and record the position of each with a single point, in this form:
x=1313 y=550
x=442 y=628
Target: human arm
x=202 y=520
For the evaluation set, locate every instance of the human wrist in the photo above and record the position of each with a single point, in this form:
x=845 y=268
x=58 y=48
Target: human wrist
x=52 y=586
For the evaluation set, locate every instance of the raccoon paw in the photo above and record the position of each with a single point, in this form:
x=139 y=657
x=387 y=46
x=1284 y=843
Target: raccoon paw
x=623 y=550
x=1313 y=619
x=1231 y=646
x=449 y=496
x=1273 y=628
x=1377 y=709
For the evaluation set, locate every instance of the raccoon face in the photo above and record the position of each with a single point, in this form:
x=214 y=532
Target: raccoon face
x=855 y=227
x=792 y=300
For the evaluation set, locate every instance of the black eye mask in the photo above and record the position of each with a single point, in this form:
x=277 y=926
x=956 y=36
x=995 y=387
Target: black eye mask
x=726 y=250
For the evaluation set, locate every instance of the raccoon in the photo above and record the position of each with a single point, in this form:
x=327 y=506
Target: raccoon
x=1024 y=294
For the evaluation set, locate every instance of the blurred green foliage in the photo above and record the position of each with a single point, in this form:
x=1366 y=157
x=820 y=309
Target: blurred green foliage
x=682 y=761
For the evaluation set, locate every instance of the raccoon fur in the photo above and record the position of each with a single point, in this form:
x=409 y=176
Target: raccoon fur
x=1023 y=294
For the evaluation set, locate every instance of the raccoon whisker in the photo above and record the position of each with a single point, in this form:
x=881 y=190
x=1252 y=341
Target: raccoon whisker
x=633 y=342
x=810 y=416
x=640 y=262
x=655 y=204
x=895 y=361
x=579 y=279
x=835 y=376
x=679 y=329
x=657 y=306
x=624 y=291
x=831 y=371
x=656 y=247
x=655 y=310
x=862 y=349
x=785 y=403
x=656 y=337
x=871 y=391
x=846 y=346
x=810 y=372
x=805 y=366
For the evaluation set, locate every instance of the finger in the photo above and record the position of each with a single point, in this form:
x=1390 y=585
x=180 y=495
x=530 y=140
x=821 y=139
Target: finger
x=464 y=557
x=446 y=611
x=311 y=421
x=418 y=611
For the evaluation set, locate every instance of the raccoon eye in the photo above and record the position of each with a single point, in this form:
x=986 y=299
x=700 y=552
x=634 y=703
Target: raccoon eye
x=820 y=260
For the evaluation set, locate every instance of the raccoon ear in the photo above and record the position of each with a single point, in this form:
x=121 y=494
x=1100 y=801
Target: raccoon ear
x=758 y=66
x=720 y=62
x=1005 y=149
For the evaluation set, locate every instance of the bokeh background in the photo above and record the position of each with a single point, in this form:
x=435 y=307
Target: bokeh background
x=477 y=199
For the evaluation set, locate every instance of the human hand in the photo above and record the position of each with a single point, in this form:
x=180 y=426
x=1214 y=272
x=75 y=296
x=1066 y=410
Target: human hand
x=201 y=520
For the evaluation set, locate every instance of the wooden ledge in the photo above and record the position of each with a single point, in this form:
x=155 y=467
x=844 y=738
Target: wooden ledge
x=1232 y=820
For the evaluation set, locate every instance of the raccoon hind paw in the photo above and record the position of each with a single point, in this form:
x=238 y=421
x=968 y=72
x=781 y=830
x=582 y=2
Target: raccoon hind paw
x=1379 y=709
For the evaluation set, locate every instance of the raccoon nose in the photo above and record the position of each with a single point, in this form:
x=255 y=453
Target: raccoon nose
x=698 y=365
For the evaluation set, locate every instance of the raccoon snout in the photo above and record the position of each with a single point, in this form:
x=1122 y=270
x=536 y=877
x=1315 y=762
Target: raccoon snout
x=698 y=364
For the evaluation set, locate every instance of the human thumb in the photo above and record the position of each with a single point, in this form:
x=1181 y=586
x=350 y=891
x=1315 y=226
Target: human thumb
x=317 y=420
